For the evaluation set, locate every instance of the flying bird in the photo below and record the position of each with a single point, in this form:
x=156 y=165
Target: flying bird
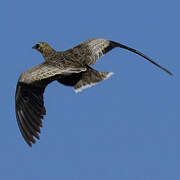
x=71 y=67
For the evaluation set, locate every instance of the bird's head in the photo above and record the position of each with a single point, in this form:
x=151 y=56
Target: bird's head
x=42 y=47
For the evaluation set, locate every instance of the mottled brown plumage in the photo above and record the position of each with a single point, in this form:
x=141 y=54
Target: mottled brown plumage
x=71 y=68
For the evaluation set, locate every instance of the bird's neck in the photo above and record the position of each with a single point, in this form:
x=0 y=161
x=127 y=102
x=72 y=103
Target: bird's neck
x=49 y=54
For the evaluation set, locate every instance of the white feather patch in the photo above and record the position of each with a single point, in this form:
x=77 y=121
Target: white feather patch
x=92 y=84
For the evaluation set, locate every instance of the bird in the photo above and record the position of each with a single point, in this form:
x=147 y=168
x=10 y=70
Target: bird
x=71 y=67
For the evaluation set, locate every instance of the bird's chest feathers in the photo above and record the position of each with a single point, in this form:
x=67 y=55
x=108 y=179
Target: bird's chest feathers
x=50 y=55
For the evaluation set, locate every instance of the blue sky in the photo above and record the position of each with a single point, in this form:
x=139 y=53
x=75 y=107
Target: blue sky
x=126 y=127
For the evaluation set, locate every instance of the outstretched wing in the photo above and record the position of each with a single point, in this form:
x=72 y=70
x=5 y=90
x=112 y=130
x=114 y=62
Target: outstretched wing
x=29 y=111
x=29 y=100
x=92 y=49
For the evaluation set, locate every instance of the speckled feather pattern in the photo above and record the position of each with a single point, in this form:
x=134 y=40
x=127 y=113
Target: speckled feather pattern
x=71 y=68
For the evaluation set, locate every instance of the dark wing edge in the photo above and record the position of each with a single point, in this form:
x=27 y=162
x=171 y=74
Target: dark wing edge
x=29 y=101
x=30 y=110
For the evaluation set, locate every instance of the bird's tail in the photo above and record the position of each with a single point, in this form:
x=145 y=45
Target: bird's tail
x=90 y=78
x=85 y=79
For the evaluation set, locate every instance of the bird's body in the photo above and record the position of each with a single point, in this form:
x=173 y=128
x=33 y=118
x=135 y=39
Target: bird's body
x=70 y=67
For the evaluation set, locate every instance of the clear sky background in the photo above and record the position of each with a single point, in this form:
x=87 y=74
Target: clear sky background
x=127 y=127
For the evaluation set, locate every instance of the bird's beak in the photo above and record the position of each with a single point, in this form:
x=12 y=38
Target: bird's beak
x=34 y=47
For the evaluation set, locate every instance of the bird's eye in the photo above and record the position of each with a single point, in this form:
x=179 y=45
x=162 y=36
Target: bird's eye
x=37 y=46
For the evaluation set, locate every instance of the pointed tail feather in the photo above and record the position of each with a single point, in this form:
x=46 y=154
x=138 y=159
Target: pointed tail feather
x=115 y=44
